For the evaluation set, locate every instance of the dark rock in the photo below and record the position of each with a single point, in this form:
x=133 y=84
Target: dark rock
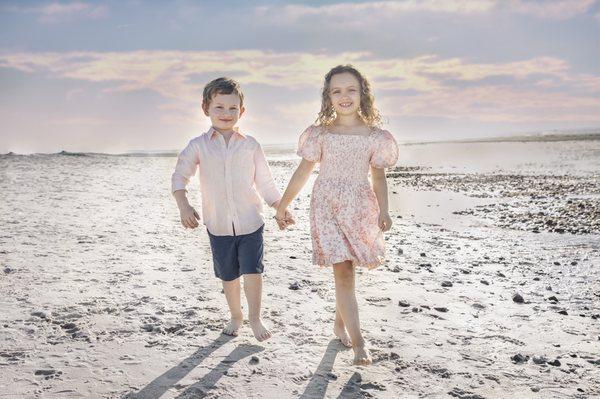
x=254 y=360
x=446 y=284
x=403 y=304
x=518 y=358
x=555 y=362
x=331 y=376
x=518 y=298
x=564 y=312
x=294 y=286
x=423 y=254
x=293 y=257
x=441 y=309
x=553 y=298
x=8 y=270
x=462 y=394
x=540 y=360
x=484 y=282
x=400 y=251
x=499 y=274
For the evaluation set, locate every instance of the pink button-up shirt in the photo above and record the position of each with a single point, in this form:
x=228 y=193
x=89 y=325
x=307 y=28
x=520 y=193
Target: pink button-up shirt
x=231 y=179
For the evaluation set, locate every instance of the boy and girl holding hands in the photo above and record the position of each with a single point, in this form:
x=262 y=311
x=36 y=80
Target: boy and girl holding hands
x=348 y=212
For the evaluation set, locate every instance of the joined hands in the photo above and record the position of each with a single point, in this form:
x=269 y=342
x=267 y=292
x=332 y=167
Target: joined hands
x=284 y=218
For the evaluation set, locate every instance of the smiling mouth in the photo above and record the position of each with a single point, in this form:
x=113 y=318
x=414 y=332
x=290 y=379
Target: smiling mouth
x=345 y=105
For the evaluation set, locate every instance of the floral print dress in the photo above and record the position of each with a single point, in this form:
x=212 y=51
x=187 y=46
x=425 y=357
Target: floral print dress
x=343 y=208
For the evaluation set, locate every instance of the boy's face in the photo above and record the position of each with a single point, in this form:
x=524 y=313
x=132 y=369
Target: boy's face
x=224 y=111
x=344 y=91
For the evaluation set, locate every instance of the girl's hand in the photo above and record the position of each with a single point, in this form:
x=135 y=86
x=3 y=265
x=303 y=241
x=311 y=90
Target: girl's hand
x=189 y=217
x=284 y=218
x=385 y=221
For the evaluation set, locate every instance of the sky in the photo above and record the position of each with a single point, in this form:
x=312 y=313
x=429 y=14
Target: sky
x=118 y=76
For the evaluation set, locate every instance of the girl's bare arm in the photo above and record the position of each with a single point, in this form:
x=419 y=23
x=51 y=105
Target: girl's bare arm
x=298 y=180
x=381 y=192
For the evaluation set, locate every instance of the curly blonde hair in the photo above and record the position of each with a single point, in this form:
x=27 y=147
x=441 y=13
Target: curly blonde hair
x=367 y=111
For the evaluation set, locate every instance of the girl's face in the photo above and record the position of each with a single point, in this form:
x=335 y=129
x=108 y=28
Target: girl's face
x=344 y=92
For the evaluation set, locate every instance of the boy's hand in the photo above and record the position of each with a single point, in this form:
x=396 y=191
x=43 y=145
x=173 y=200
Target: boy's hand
x=284 y=218
x=189 y=217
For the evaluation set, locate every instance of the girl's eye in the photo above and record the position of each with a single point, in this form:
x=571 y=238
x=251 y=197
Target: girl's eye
x=352 y=90
x=218 y=107
x=335 y=92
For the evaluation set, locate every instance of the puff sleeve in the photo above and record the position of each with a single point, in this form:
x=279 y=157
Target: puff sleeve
x=385 y=151
x=309 y=144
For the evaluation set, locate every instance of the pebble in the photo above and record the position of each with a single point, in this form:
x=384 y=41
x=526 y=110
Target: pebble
x=446 y=284
x=403 y=304
x=540 y=360
x=518 y=358
x=484 y=282
x=564 y=312
x=254 y=360
x=441 y=309
x=294 y=286
x=555 y=362
x=518 y=298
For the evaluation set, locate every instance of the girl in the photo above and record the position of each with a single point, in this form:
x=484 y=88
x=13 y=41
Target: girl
x=347 y=213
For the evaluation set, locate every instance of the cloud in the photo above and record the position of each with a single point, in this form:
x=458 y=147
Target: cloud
x=540 y=88
x=56 y=11
x=365 y=11
x=555 y=9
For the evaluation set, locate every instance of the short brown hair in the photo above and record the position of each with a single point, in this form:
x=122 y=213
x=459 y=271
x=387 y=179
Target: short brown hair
x=221 y=86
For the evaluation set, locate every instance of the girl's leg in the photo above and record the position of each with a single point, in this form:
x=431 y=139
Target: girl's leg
x=339 y=328
x=232 y=294
x=348 y=307
x=253 y=291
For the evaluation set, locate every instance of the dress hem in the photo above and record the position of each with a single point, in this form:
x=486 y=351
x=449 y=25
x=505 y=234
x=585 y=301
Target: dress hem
x=357 y=263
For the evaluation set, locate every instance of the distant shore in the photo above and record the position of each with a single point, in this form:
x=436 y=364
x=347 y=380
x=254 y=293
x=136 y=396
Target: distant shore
x=285 y=147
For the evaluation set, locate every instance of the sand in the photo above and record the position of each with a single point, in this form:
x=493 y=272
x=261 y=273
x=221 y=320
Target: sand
x=105 y=295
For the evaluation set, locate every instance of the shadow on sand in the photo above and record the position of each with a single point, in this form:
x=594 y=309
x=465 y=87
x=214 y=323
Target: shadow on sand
x=317 y=386
x=199 y=389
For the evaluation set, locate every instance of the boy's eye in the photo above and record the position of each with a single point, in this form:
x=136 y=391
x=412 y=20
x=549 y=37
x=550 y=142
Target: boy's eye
x=335 y=92
x=218 y=107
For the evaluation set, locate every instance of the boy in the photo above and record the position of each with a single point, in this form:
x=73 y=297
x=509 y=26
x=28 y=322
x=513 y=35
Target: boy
x=233 y=173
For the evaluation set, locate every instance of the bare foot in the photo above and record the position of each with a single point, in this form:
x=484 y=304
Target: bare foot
x=341 y=333
x=362 y=356
x=233 y=328
x=260 y=331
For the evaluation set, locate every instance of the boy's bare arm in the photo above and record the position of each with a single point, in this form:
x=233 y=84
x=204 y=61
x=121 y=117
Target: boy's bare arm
x=189 y=216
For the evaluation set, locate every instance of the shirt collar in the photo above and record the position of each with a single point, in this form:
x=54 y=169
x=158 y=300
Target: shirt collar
x=213 y=132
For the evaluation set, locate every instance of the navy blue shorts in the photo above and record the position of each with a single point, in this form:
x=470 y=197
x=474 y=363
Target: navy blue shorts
x=237 y=255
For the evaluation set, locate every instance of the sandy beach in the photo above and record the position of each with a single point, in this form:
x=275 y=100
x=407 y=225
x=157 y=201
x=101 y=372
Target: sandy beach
x=490 y=289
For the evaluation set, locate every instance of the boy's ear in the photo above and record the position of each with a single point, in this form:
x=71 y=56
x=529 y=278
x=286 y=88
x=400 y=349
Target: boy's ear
x=242 y=109
x=205 y=108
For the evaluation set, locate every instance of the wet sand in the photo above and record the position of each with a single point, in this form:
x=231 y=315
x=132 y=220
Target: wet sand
x=105 y=295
